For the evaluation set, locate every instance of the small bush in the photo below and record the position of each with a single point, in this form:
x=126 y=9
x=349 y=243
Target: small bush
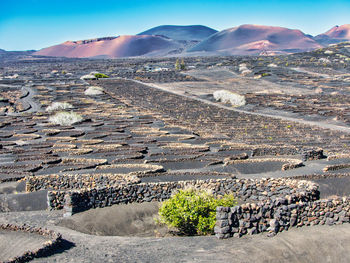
x=88 y=77
x=328 y=52
x=59 y=106
x=65 y=118
x=180 y=65
x=100 y=75
x=225 y=96
x=94 y=90
x=193 y=211
x=265 y=74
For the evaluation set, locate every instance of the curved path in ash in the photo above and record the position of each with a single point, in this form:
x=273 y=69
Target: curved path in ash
x=28 y=98
x=34 y=106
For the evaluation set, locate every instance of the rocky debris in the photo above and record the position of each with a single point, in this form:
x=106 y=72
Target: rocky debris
x=313 y=154
x=292 y=164
x=242 y=156
x=336 y=167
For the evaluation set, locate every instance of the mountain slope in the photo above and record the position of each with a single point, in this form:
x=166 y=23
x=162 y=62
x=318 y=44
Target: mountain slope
x=254 y=39
x=189 y=33
x=336 y=34
x=113 y=47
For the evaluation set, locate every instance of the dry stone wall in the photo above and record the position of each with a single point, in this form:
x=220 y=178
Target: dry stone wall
x=74 y=201
x=77 y=181
x=279 y=215
x=54 y=239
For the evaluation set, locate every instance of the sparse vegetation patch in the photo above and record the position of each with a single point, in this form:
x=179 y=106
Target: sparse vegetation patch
x=59 y=106
x=93 y=90
x=65 y=118
x=100 y=75
x=193 y=211
x=225 y=96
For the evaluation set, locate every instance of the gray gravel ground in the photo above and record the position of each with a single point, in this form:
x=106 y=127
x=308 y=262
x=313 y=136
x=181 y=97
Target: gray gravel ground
x=14 y=244
x=308 y=244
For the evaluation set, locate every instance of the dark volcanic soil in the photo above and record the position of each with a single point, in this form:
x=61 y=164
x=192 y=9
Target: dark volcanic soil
x=307 y=244
x=119 y=220
x=294 y=103
x=334 y=186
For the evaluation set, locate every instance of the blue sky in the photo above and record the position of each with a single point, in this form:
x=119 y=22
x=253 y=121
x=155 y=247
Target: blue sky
x=35 y=24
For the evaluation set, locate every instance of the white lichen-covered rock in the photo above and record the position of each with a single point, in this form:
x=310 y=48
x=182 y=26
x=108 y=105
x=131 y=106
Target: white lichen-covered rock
x=243 y=69
x=272 y=65
x=246 y=72
x=226 y=96
x=14 y=76
x=328 y=52
x=93 y=90
x=59 y=106
x=88 y=77
x=65 y=118
x=324 y=60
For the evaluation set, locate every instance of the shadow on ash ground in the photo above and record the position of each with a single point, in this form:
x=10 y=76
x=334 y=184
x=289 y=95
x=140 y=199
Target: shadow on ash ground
x=118 y=220
x=310 y=244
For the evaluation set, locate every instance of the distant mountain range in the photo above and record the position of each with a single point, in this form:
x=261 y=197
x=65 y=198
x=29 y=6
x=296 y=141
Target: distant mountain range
x=122 y=46
x=195 y=40
x=254 y=39
x=335 y=35
x=189 y=33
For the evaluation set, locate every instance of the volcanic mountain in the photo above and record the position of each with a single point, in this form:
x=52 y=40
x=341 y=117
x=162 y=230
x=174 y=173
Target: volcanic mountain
x=189 y=33
x=254 y=39
x=113 y=47
x=336 y=34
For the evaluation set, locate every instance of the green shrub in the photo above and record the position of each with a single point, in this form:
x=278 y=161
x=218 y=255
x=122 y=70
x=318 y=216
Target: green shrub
x=193 y=211
x=100 y=75
x=265 y=74
x=180 y=65
x=177 y=64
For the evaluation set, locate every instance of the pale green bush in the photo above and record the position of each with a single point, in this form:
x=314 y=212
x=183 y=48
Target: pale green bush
x=226 y=96
x=193 y=211
x=65 y=118
x=93 y=90
x=59 y=106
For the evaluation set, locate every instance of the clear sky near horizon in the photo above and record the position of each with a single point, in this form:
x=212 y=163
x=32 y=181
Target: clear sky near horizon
x=35 y=24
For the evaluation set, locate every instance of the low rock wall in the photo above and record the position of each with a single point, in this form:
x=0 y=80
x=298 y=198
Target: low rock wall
x=74 y=201
x=279 y=215
x=77 y=181
x=274 y=151
x=313 y=154
x=51 y=244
